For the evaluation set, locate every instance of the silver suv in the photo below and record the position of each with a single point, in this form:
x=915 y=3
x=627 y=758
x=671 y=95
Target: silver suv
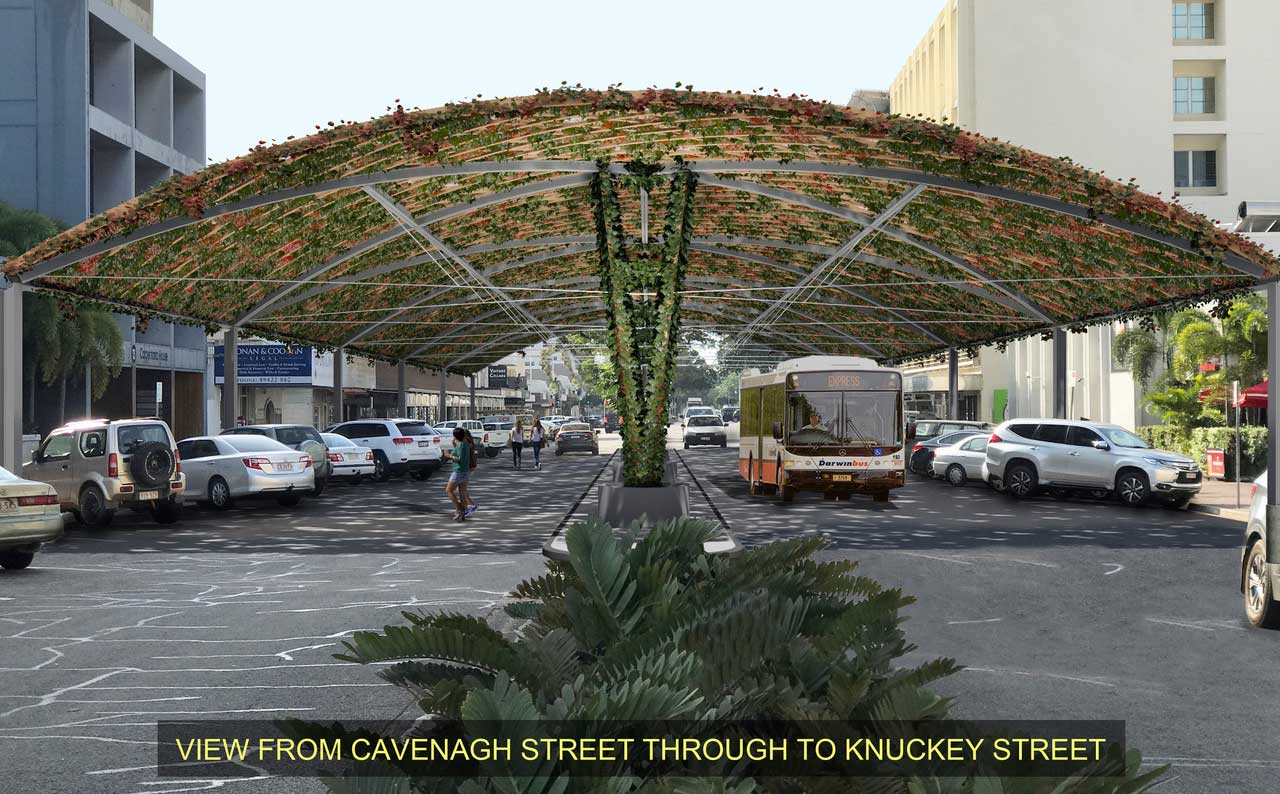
x=98 y=466
x=1027 y=455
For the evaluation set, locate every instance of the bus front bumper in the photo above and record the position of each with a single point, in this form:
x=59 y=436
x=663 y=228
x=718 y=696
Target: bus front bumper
x=860 y=481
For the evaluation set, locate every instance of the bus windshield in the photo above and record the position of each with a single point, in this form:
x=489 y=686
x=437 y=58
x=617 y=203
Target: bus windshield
x=823 y=418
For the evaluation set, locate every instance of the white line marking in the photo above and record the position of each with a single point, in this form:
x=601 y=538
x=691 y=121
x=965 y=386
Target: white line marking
x=1117 y=569
x=967 y=622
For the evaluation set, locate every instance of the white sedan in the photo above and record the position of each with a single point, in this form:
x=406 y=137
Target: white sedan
x=29 y=516
x=961 y=461
x=348 y=458
x=221 y=469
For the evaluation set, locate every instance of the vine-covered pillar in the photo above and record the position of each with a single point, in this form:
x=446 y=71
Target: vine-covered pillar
x=642 y=312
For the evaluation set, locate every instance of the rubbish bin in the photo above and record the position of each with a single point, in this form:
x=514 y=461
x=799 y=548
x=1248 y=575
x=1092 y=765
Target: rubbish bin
x=1215 y=463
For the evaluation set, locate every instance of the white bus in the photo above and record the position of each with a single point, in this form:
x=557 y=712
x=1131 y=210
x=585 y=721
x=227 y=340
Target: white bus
x=832 y=424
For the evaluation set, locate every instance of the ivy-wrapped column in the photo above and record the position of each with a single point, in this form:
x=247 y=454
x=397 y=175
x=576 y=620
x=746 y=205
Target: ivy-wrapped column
x=642 y=311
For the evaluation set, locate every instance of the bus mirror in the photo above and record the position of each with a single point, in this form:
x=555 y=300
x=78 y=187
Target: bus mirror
x=777 y=430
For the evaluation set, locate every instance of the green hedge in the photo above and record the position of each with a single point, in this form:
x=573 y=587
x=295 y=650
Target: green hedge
x=1193 y=443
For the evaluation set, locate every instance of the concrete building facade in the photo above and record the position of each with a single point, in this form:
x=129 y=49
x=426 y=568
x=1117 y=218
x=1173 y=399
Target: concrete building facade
x=94 y=110
x=1172 y=94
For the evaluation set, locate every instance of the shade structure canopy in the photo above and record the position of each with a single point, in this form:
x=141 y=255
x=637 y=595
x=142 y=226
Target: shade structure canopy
x=1253 y=397
x=452 y=237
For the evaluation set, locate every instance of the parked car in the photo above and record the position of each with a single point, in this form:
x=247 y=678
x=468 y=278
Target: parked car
x=497 y=437
x=576 y=437
x=1025 y=456
x=729 y=414
x=961 y=461
x=29 y=516
x=478 y=431
x=926 y=429
x=303 y=438
x=922 y=452
x=612 y=423
x=98 y=466
x=222 y=469
x=349 y=460
x=1258 y=577
x=705 y=429
x=400 y=446
x=699 y=410
x=595 y=421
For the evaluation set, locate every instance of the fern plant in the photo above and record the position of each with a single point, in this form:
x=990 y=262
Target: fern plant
x=635 y=629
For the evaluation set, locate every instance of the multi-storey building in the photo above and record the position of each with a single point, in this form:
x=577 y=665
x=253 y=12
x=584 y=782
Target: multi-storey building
x=94 y=110
x=1172 y=94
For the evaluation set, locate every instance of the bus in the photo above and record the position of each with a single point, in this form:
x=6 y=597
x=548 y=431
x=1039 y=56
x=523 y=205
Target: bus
x=830 y=424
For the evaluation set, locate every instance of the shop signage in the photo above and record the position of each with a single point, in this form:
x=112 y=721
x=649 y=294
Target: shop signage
x=498 y=377
x=266 y=364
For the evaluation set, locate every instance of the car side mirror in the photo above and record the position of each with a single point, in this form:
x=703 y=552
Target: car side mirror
x=682 y=425
x=777 y=430
x=1101 y=445
x=35 y=456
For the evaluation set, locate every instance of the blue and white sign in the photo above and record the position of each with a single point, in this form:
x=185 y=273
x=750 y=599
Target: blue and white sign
x=266 y=365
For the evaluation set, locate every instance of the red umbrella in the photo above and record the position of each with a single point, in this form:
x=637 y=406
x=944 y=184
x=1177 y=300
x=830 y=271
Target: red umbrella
x=1253 y=397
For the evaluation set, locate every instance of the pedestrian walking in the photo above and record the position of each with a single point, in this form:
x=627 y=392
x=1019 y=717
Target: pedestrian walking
x=460 y=456
x=469 y=505
x=517 y=443
x=537 y=443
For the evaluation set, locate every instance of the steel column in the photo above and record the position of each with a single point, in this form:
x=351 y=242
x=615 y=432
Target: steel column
x=230 y=379
x=11 y=376
x=1273 y=422
x=339 y=359
x=402 y=392
x=1059 y=373
x=444 y=408
x=953 y=383
x=88 y=390
x=472 y=385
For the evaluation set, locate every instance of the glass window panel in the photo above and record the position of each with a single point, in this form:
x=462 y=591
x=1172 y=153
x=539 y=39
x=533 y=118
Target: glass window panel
x=1181 y=169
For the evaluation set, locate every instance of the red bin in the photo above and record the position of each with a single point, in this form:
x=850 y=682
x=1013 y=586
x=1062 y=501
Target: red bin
x=1215 y=463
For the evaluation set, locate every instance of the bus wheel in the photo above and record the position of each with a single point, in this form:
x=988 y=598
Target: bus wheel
x=785 y=492
x=753 y=487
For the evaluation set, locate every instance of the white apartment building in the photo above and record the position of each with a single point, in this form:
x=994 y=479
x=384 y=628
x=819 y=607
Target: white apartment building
x=1173 y=94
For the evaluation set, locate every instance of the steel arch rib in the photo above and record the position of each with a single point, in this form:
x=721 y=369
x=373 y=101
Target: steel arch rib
x=579 y=167
x=436 y=216
x=792 y=197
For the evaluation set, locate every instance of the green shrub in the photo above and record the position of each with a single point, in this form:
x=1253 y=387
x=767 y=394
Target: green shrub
x=637 y=629
x=1193 y=443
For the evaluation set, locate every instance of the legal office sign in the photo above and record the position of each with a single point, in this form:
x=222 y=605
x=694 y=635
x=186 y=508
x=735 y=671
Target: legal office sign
x=266 y=364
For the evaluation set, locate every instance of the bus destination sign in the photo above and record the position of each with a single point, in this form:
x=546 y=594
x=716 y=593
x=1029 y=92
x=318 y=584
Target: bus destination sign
x=846 y=381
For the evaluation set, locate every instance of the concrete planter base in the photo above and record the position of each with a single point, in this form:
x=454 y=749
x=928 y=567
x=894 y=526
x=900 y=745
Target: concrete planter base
x=620 y=505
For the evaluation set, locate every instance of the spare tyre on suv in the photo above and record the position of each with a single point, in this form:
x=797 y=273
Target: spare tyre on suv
x=98 y=466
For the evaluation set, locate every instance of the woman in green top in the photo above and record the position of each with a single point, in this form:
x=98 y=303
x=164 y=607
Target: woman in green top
x=457 y=486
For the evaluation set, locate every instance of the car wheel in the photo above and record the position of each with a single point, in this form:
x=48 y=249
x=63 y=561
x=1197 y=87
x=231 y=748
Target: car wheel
x=1133 y=488
x=686 y=445
x=93 y=507
x=288 y=500
x=219 y=494
x=1259 y=605
x=167 y=512
x=1099 y=493
x=956 y=475
x=723 y=443
x=1061 y=494
x=595 y=450
x=1020 y=481
x=381 y=469
x=321 y=484
x=996 y=484
x=15 y=560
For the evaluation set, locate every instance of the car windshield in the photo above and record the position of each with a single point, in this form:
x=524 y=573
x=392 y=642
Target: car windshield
x=1123 y=438
x=416 y=429
x=953 y=438
x=705 y=421
x=335 y=440
x=255 y=444
x=131 y=437
x=294 y=436
x=817 y=418
x=575 y=427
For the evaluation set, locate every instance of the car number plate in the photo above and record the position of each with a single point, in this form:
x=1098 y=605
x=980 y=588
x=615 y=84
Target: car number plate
x=1189 y=476
x=284 y=467
x=148 y=494
x=8 y=505
x=424 y=443
x=842 y=477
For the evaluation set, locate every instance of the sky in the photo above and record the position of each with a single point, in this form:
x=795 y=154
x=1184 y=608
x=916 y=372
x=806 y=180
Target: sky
x=276 y=68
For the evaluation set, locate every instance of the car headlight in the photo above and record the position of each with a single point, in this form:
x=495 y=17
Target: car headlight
x=1161 y=462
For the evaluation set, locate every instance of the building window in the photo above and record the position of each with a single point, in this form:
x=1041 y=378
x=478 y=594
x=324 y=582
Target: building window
x=1192 y=21
x=1193 y=96
x=1195 y=169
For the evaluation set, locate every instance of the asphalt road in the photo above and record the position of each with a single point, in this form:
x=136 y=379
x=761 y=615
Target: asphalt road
x=1058 y=610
